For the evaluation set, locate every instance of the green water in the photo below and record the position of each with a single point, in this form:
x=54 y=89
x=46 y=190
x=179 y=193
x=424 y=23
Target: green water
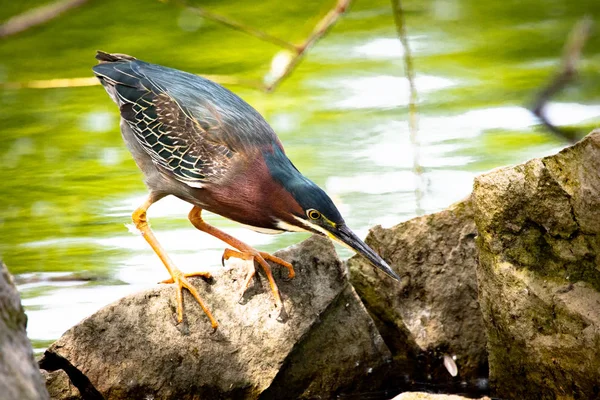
x=69 y=185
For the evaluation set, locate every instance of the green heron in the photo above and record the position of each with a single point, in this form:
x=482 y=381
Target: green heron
x=196 y=140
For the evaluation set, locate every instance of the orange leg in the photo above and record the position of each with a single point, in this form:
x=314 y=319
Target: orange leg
x=245 y=253
x=177 y=277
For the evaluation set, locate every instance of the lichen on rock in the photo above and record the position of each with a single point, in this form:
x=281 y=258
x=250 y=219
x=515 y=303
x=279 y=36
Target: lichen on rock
x=539 y=273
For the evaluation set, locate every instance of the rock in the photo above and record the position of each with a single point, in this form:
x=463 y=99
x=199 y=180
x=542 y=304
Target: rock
x=20 y=378
x=433 y=311
x=59 y=385
x=539 y=274
x=430 y=396
x=134 y=349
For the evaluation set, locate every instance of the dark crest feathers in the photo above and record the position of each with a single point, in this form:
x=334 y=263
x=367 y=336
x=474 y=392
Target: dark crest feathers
x=104 y=57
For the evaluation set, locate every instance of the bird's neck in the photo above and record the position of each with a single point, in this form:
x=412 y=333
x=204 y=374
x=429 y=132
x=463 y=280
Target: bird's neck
x=259 y=198
x=284 y=172
x=304 y=193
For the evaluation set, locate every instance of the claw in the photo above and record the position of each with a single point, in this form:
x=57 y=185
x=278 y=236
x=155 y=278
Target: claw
x=180 y=279
x=283 y=315
x=247 y=282
x=277 y=260
x=244 y=251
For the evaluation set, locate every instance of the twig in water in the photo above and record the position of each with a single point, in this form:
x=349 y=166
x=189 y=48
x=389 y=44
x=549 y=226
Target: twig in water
x=413 y=120
x=37 y=16
x=298 y=51
x=317 y=33
x=566 y=73
x=238 y=26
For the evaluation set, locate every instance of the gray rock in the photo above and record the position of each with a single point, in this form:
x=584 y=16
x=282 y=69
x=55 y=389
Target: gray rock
x=539 y=274
x=20 y=378
x=134 y=349
x=434 y=310
x=59 y=385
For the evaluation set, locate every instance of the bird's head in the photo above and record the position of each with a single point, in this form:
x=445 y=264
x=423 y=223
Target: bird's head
x=319 y=215
x=313 y=211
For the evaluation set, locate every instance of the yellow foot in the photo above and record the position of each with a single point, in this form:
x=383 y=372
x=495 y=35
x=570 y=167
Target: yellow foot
x=260 y=257
x=179 y=278
x=229 y=253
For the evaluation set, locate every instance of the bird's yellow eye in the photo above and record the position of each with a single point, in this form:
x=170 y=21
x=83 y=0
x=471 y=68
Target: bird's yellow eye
x=313 y=214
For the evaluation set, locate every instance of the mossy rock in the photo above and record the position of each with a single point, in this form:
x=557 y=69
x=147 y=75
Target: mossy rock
x=539 y=274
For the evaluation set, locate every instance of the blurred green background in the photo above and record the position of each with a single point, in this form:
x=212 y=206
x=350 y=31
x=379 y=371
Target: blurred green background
x=68 y=185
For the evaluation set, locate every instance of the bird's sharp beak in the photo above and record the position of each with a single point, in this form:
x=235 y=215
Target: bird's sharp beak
x=344 y=235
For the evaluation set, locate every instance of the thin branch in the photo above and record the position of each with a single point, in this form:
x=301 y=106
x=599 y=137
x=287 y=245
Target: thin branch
x=238 y=26
x=320 y=29
x=413 y=120
x=317 y=33
x=566 y=73
x=93 y=81
x=37 y=16
x=52 y=83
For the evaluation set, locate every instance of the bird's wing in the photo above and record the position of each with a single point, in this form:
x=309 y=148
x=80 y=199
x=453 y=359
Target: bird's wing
x=188 y=125
x=174 y=139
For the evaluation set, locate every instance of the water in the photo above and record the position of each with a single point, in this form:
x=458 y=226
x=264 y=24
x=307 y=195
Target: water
x=69 y=185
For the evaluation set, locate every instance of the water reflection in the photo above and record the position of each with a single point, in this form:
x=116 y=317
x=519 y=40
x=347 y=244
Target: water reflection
x=382 y=91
